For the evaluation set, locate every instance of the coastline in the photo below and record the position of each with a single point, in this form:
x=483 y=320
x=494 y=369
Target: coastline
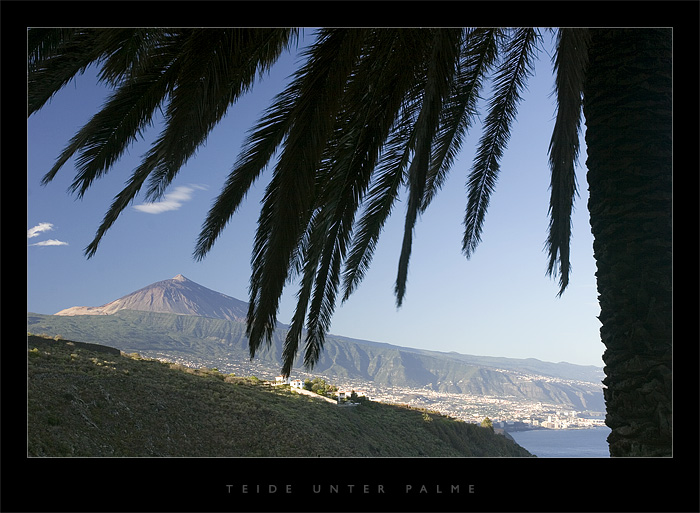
x=565 y=443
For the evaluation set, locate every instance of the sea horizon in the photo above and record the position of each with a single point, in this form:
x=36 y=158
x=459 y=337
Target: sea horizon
x=565 y=443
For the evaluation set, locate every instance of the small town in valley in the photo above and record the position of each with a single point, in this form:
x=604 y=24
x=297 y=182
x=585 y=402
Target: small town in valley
x=506 y=413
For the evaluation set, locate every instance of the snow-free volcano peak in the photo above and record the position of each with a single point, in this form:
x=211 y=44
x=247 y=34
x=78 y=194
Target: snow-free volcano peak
x=177 y=295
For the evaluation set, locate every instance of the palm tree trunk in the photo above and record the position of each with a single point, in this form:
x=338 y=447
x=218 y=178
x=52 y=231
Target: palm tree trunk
x=628 y=111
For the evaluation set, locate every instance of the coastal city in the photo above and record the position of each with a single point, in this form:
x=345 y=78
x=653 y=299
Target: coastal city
x=506 y=413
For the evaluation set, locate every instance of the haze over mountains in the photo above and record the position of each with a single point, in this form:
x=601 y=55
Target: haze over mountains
x=183 y=319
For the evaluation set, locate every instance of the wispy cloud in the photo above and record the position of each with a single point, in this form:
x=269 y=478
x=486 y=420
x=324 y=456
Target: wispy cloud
x=171 y=201
x=39 y=229
x=50 y=242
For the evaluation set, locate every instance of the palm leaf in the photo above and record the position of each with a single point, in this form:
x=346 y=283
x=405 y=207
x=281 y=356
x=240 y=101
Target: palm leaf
x=351 y=157
x=570 y=66
x=378 y=204
x=370 y=111
x=478 y=53
x=201 y=89
x=508 y=84
x=258 y=149
x=46 y=43
x=442 y=62
x=310 y=253
x=127 y=53
x=404 y=75
x=127 y=112
x=290 y=197
x=120 y=202
x=217 y=67
x=55 y=57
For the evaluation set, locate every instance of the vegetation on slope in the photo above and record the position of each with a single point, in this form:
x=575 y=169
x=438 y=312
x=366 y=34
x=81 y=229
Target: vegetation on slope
x=91 y=400
x=207 y=341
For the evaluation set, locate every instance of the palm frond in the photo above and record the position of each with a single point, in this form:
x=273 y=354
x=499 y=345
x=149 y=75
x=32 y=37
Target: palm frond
x=519 y=54
x=442 y=61
x=258 y=149
x=56 y=57
x=291 y=195
x=310 y=249
x=201 y=72
x=320 y=251
x=121 y=201
x=401 y=72
x=345 y=178
x=121 y=121
x=351 y=157
x=45 y=43
x=217 y=67
x=391 y=63
x=378 y=205
x=325 y=290
x=371 y=111
x=478 y=54
x=570 y=64
x=129 y=52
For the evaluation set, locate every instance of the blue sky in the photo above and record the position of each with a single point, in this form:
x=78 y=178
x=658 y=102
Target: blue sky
x=498 y=303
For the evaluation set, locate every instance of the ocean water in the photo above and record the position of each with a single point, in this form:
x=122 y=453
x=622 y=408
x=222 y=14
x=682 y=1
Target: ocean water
x=565 y=443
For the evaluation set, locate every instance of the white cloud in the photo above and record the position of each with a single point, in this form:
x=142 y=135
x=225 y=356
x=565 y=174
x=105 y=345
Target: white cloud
x=50 y=242
x=171 y=201
x=39 y=229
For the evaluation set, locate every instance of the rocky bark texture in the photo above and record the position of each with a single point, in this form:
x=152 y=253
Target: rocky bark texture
x=627 y=106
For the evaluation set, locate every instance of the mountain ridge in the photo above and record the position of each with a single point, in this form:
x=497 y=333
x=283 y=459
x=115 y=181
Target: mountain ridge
x=234 y=309
x=222 y=344
x=214 y=340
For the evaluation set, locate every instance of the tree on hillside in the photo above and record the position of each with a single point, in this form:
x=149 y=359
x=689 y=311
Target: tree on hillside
x=320 y=387
x=372 y=111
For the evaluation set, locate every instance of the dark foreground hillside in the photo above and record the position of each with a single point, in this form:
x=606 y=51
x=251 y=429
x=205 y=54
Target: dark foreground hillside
x=91 y=400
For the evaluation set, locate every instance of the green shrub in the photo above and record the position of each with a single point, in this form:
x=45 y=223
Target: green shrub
x=319 y=386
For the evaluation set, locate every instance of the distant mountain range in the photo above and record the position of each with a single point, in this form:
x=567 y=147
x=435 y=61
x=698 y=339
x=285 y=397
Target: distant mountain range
x=183 y=319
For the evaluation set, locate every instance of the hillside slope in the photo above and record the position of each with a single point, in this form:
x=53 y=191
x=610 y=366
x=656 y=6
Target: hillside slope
x=86 y=400
x=213 y=342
